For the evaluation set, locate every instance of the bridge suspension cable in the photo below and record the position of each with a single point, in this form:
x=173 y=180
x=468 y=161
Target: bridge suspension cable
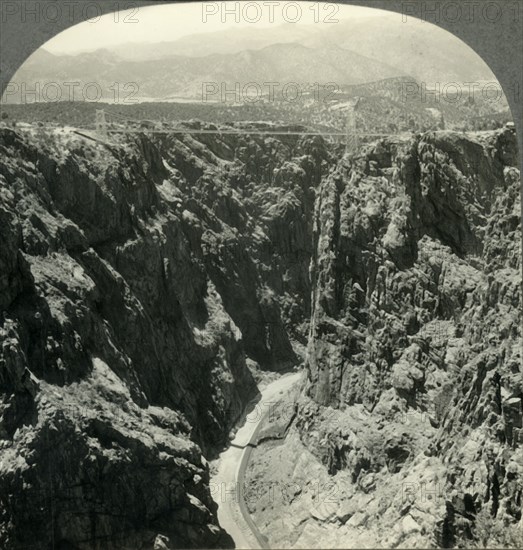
x=350 y=134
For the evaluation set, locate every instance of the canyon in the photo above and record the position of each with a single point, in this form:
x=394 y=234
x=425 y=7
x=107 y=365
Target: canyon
x=149 y=285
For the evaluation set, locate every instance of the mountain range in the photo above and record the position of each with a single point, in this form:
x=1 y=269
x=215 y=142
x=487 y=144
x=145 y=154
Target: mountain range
x=424 y=51
x=179 y=75
x=350 y=52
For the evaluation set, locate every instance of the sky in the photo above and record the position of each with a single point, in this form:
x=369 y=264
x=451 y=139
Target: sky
x=172 y=21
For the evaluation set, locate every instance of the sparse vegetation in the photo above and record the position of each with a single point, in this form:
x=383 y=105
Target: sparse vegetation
x=380 y=108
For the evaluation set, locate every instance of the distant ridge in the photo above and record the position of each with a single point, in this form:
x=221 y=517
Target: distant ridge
x=184 y=76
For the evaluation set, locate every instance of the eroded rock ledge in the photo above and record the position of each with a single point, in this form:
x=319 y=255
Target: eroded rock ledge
x=143 y=287
x=417 y=319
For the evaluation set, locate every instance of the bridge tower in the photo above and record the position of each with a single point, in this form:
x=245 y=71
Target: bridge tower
x=352 y=141
x=101 y=123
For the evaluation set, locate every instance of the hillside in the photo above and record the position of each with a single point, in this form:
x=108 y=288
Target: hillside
x=141 y=301
x=230 y=41
x=408 y=432
x=182 y=76
x=419 y=49
x=147 y=286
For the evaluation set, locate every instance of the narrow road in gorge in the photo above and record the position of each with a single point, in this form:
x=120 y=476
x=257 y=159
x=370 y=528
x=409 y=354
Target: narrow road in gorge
x=232 y=511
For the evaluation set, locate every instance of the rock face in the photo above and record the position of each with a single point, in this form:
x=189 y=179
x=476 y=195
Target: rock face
x=142 y=287
x=145 y=285
x=416 y=316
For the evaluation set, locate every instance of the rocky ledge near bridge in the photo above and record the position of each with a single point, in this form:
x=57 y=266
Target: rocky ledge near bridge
x=147 y=285
x=409 y=433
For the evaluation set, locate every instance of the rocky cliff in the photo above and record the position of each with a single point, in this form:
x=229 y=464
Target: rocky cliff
x=416 y=327
x=144 y=285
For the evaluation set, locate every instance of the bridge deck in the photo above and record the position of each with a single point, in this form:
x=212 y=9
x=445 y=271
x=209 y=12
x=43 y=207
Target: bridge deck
x=244 y=132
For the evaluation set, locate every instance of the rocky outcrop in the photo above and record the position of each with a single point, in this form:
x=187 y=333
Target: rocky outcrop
x=146 y=284
x=143 y=284
x=416 y=316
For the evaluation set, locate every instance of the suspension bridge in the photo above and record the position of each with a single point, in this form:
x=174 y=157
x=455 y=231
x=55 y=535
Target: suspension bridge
x=104 y=128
